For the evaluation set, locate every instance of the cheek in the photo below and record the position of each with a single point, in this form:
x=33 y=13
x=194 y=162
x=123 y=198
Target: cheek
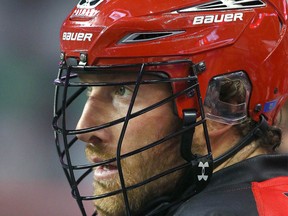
x=149 y=128
x=141 y=132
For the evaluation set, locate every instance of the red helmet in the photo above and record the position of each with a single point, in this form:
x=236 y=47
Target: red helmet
x=228 y=36
x=211 y=40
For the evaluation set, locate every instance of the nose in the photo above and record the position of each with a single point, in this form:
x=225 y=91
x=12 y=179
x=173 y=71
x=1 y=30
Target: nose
x=91 y=117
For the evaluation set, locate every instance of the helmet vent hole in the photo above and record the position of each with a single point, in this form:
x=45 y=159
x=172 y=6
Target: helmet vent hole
x=147 y=36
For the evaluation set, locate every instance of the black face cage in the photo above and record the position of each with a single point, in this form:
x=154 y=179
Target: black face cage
x=199 y=167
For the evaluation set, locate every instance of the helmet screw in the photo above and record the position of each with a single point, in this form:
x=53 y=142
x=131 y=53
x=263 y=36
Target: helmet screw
x=276 y=90
x=201 y=66
x=191 y=93
x=258 y=108
x=83 y=57
x=62 y=56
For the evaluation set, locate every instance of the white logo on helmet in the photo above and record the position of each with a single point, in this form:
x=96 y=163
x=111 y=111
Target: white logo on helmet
x=77 y=36
x=218 y=18
x=88 y=4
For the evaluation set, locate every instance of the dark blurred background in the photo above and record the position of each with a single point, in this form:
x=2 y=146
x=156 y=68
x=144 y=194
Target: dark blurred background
x=31 y=179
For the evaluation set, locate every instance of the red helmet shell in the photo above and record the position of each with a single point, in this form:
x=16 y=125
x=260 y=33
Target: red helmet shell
x=252 y=39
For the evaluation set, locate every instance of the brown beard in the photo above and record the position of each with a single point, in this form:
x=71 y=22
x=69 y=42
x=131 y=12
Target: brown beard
x=138 y=197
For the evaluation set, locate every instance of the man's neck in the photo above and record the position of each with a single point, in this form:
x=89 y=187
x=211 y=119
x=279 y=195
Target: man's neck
x=225 y=137
x=249 y=151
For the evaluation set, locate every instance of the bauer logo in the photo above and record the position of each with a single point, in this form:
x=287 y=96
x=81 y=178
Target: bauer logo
x=77 y=36
x=218 y=18
x=88 y=4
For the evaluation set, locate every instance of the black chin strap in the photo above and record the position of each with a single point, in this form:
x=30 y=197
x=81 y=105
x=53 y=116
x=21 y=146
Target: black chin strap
x=195 y=177
x=198 y=174
x=256 y=132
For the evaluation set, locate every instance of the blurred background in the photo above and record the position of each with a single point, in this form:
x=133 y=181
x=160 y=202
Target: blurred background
x=31 y=179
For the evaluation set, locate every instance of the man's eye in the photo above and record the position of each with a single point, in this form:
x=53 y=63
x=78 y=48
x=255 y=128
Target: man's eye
x=122 y=91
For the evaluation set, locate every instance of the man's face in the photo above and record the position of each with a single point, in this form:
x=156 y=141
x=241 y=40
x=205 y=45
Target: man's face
x=105 y=104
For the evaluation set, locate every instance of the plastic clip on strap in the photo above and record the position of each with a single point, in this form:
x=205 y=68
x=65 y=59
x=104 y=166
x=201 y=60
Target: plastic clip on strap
x=189 y=118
